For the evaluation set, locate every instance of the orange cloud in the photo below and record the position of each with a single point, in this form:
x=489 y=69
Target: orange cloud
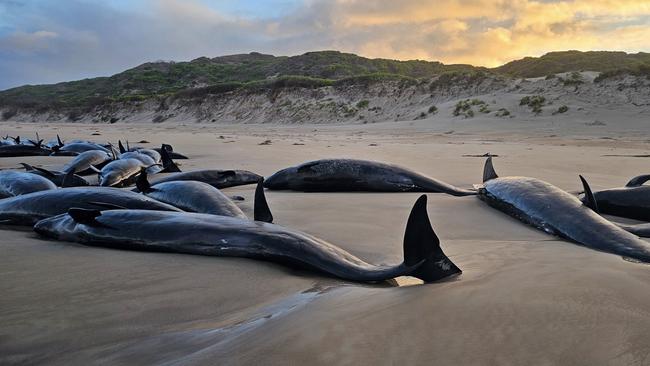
x=489 y=33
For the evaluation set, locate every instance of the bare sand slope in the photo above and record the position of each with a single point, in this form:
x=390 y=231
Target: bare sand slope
x=524 y=297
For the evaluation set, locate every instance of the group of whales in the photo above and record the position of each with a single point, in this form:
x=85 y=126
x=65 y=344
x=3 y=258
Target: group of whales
x=185 y=212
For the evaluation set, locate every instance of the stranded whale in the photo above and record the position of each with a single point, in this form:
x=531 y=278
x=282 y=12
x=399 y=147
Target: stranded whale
x=347 y=175
x=204 y=234
x=557 y=212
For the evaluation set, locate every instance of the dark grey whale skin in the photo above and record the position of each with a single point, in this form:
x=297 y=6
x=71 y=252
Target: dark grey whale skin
x=30 y=208
x=9 y=151
x=216 y=178
x=14 y=183
x=81 y=163
x=193 y=196
x=203 y=234
x=349 y=175
x=630 y=202
x=557 y=212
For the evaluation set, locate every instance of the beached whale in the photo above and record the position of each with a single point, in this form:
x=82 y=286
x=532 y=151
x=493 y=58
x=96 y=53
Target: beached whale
x=120 y=173
x=193 y=196
x=17 y=150
x=83 y=162
x=216 y=178
x=560 y=213
x=204 y=234
x=170 y=150
x=348 y=175
x=78 y=148
x=14 y=183
x=60 y=179
x=631 y=201
x=29 y=208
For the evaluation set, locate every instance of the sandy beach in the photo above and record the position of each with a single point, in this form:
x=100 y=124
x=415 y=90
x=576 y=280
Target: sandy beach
x=524 y=297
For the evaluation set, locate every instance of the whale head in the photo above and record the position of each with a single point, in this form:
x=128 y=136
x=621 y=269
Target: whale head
x=280 y=180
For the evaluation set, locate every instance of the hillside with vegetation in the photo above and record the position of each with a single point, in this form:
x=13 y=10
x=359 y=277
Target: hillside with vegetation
x=560 y=62
x=205 y=82
x=221 y=74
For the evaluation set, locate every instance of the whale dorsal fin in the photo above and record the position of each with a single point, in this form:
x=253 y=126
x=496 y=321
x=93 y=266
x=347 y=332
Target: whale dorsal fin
x=638 y=180
x=121 y=147
x=142 y=183
x=67 y=179
x=422 y=247
x=168 y=164
x=86 y=216
x=488 y=170
x=590 y=200
x=261 y=210
x=27 y=166
x=58 y=141
x=44 y=171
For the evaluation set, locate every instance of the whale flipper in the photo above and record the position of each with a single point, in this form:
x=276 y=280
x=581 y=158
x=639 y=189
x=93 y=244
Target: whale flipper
x=590 y=200
x=488 y=170
x=421 y=245
x=261 y=210
x=638 y=180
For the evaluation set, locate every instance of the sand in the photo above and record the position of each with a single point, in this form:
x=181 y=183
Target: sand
x=524 y=297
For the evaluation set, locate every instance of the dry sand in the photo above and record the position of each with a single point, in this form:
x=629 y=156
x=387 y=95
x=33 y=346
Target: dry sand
x=524 y=298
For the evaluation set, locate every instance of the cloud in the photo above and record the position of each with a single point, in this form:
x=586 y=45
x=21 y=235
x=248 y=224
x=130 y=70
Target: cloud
x=47 y=41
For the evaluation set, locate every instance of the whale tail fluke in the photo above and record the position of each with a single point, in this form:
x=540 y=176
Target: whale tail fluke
x=421 y=245
x=488 y=170
x=261 y=210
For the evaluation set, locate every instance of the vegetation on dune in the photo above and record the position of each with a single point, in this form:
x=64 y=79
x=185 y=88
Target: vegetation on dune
x=567 y=61
x=573 y=79
x=255 y=72
x=562 y=109
x=502 y=112
x=205 y=76
x=464 y=107
x=638 y=70
x=534 y=102
x=363 y=104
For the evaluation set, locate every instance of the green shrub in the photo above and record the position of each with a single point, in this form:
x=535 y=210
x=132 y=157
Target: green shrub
x=464 y=107
x=363 y=104
x=502 y=112
x=562 y=109
x=433 y=109
x=575 y=78
x=535 y=103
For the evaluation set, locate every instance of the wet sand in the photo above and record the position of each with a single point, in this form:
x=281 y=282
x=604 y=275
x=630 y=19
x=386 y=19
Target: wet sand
x=524 y=297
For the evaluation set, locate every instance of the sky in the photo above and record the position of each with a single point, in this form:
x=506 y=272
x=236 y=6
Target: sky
x=47 y=41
